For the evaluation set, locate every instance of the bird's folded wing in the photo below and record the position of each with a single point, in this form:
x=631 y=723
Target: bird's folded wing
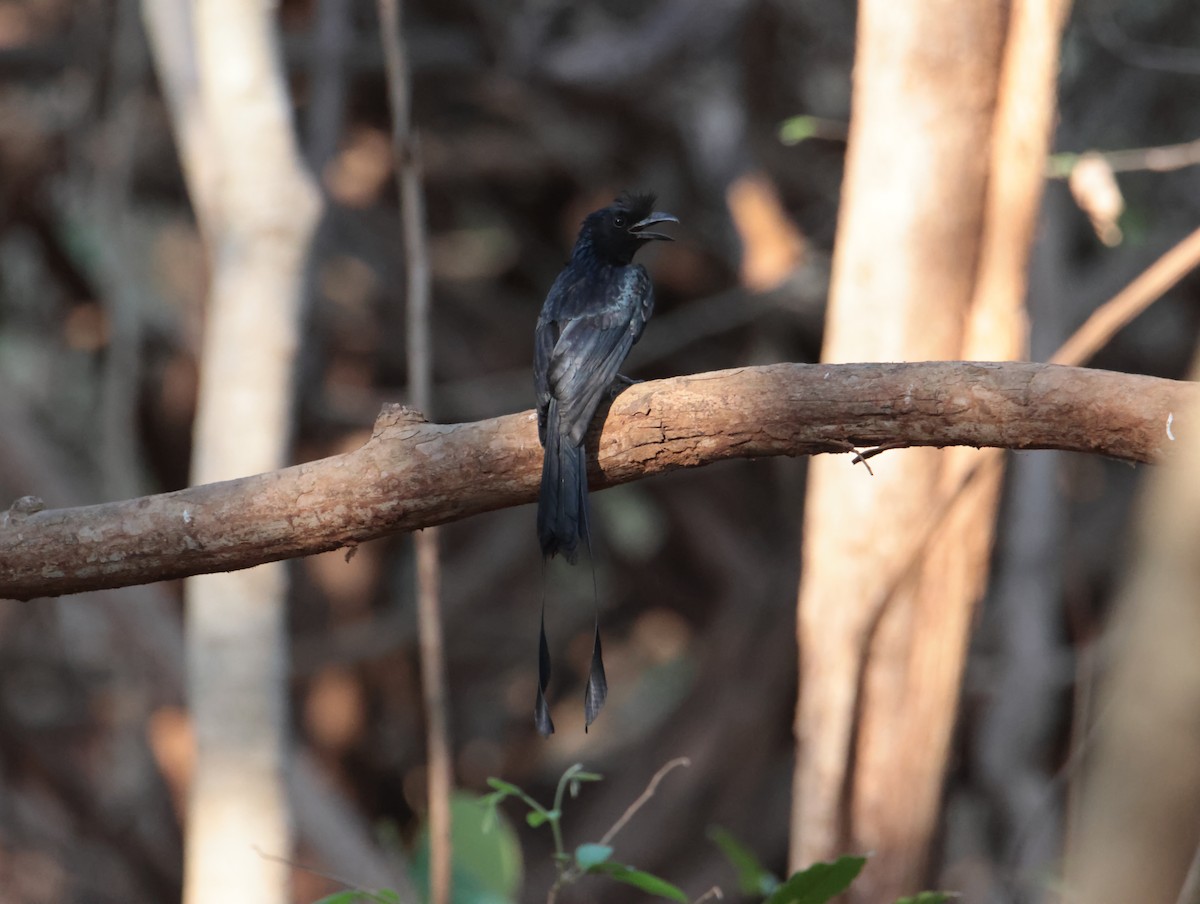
x=587 y=357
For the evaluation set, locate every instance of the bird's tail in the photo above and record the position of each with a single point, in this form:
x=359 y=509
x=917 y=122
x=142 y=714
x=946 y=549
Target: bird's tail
x=562 y=517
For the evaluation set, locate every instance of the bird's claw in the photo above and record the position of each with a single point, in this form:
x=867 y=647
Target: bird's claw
x=619 y=384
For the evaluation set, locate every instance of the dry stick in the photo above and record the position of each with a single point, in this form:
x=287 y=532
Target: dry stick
x=1147 y=288
x=420 y=377
x=1093 y=335
x=111 y=193
x=1160 y=159
x=1082 y=725
x=644 y=797
x=572 y=875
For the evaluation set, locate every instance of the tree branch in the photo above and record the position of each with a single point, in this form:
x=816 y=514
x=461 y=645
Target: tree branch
x=412 y=474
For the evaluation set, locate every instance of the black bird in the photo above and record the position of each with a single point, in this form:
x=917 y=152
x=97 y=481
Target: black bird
x=594 y=313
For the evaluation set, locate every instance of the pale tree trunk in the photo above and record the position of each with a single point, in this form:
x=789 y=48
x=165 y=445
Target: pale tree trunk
x=257 y=208
x=1136 y=834
x=327 y=823
x=952 y=110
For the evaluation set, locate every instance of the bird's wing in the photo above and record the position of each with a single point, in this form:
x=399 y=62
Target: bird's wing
x=563 y=295
x=590 y=349
x=544 y=340
x=586 y=362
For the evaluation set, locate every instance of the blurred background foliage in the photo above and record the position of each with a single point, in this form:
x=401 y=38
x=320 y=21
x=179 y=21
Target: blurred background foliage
x=530 y=115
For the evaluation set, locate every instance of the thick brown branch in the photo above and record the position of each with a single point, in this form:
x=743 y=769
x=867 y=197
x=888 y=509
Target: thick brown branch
x=412 y=474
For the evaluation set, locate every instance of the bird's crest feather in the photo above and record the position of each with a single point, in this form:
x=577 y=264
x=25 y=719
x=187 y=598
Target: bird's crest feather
x=639 y=204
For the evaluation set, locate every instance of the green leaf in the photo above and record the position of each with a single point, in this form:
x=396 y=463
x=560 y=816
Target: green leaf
x=537 y=818
x=929 y=897
x=819 y=883
x=589 y=855
x=507 y=788
x=491 y=815
x=647 y=882
x=753 y=877
x=578 y=778
x=1058 y=166
x=358 y=896
x=572 y=779
x=489 y=820
x=796 y=129
x=486 y=867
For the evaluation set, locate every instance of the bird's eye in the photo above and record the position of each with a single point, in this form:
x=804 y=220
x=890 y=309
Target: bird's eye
x=619 y=221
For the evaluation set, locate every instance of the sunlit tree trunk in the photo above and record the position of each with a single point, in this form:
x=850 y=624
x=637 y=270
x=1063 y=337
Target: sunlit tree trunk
x=952 y=111
x=257 y=208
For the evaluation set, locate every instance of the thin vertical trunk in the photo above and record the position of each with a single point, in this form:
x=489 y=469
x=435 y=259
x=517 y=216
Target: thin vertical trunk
x=418 y=301
x=1136 y=834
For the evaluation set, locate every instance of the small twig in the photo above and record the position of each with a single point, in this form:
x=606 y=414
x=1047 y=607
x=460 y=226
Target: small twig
x=406 y=161
x=1161 y=159
x=645 y=796
x=569 y=872
x=715 y=893
x=110 y=195
x=864 y=454
x=560 y=850
x=1107 y=320
x=332 y=877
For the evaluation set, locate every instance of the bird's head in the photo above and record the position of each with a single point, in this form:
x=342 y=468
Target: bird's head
x=616 y=232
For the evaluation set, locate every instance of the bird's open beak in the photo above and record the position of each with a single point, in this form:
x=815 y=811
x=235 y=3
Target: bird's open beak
x=653 y=220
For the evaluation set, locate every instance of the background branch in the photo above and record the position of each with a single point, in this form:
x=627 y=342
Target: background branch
x=406 y=162
x=1127 y=304
x=412 y=474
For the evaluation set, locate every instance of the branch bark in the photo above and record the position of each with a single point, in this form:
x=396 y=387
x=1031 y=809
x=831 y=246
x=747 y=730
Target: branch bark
x=412 y=474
